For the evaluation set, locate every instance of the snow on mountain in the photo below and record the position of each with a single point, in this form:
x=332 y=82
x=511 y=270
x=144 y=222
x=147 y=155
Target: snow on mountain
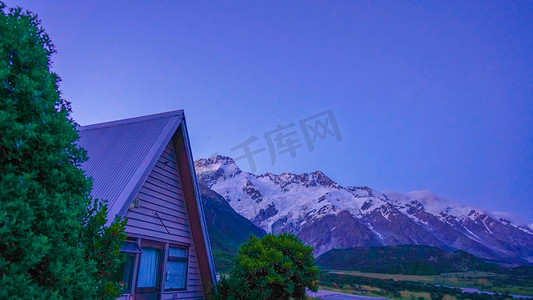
x=509 y=217
x=432 y=203
x=267 y=198
x=328 y=216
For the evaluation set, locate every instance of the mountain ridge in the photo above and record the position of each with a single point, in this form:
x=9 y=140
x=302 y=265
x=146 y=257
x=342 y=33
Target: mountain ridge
x=329 y=216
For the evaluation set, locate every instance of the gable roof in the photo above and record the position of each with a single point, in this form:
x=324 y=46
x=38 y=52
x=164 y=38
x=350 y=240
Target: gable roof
x=121 y=154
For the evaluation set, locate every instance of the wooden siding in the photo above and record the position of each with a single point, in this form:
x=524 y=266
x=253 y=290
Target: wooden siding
x=162 y=192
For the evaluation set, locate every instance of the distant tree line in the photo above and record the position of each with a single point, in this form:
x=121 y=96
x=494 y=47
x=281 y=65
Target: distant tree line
x=403 y=259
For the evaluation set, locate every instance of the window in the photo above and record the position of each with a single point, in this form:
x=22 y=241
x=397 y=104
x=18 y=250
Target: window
x=124 y=274
x=149 y=267
x=176 y=271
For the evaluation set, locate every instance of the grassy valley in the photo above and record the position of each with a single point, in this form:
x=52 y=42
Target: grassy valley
x=408 y=271
x=447 y=285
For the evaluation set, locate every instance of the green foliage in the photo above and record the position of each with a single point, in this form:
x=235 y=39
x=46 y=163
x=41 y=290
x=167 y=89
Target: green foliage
x=274 y=267
x=224 y=260
x=53 y=242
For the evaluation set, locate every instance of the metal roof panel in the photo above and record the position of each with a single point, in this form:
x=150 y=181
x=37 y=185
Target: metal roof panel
x=121 y=153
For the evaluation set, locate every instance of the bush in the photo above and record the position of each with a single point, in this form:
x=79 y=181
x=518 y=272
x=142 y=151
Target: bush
x=274 y=267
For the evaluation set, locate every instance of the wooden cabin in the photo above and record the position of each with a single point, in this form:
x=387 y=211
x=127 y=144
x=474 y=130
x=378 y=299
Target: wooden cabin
x=144 y=168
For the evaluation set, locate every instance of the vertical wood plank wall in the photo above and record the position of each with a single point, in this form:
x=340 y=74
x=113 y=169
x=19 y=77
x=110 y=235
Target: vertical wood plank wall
x=162 y=192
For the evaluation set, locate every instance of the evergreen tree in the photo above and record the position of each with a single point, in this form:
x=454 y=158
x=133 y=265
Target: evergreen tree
x=274 y=267
x=53 y=242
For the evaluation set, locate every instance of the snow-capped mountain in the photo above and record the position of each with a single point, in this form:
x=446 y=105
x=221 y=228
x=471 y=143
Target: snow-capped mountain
x=329 y=216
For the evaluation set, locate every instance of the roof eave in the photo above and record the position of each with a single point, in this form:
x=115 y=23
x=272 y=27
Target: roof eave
x=199 y=202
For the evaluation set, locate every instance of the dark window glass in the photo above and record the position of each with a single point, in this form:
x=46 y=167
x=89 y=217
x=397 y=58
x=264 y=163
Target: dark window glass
x=124 y=274
x=176 y=270
x=177 y=252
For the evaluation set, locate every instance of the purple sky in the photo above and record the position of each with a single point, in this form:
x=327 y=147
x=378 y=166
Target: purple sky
x=426 y=94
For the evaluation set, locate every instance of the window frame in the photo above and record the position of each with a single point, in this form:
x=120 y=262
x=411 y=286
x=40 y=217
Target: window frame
x=177 y=259
x=145 y=243
x=133 y=254
x=128 y=284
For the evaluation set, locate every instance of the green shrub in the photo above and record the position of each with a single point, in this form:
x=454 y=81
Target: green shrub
x=274 y=267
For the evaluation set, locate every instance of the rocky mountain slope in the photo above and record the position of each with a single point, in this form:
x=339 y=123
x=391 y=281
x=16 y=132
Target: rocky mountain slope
x=227 y=229
x=329 y=216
